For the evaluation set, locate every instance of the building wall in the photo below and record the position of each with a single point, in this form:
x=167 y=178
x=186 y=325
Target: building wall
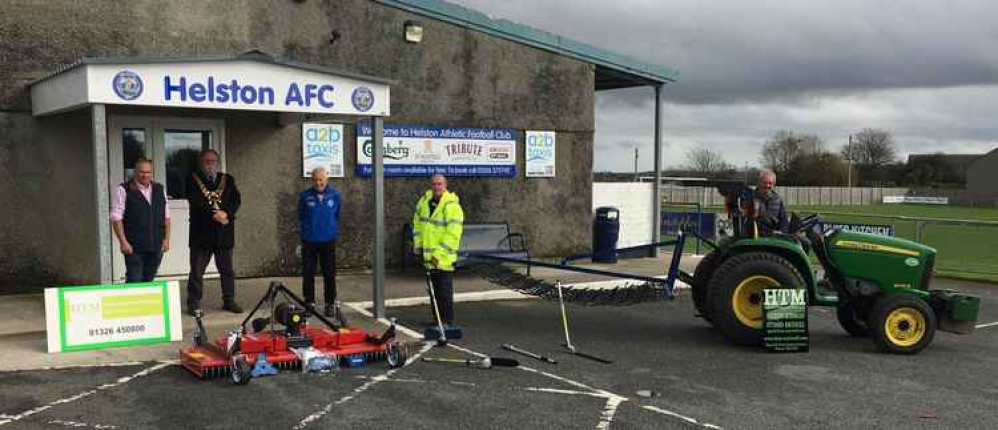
x=634 y=200
x=46 y=232
x=982 y=174
x=456 y=77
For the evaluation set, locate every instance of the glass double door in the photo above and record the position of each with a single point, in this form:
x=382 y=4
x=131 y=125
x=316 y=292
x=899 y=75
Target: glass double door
x=173 y=145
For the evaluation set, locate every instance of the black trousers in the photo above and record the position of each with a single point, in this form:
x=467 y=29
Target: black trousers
x=199 y=262
x=325 y=254
x=142 y=266
x=443 y=291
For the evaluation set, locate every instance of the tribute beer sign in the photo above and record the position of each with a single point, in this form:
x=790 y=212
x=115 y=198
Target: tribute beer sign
x=412 y=150
x=785 y=320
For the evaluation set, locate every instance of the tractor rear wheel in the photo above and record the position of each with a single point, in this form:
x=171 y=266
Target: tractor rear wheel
x=852 y=319
x=735 y=298
x=701 y=283
x=902 y=324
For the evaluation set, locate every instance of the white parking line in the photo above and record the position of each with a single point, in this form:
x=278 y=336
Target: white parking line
x=357 y=391
x=607 y=415
x=563 y=391
x=608 y=412
x=79 y=425
x=986 y=325
x=682 y=417
x=102 y=387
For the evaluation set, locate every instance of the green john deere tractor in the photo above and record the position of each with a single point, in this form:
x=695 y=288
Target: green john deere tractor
x=878 y=285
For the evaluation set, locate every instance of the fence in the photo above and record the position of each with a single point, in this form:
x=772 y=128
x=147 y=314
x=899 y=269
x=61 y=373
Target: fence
x=792 y=196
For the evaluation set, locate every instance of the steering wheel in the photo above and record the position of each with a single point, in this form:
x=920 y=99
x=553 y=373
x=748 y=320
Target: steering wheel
x=798 y=224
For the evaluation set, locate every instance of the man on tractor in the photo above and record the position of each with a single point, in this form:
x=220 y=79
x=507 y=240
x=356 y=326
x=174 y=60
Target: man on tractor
x=773 y=214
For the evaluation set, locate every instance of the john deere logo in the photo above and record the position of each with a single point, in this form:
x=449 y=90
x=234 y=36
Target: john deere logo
x=127 y=85
x=362 y=99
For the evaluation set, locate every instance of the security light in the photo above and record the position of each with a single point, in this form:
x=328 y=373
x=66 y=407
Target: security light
x=413 y=31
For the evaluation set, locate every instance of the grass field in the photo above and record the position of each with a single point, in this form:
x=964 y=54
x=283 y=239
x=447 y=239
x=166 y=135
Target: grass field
x=967 y=250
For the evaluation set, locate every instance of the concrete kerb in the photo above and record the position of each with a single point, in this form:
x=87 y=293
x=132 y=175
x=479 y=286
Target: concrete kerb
x=22 y=317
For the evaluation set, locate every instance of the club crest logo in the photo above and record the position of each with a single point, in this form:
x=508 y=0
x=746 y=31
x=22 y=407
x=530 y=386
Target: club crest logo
x=362 y=99
x=127 y=85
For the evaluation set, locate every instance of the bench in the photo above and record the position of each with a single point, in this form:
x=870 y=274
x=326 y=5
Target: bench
x=491 y=238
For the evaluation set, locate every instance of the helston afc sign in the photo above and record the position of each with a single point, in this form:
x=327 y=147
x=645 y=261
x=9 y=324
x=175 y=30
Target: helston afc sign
x=223 y=84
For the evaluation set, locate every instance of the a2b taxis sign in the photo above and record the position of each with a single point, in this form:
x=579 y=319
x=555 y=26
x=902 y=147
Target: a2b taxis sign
x=785 y=320
x=103 y=316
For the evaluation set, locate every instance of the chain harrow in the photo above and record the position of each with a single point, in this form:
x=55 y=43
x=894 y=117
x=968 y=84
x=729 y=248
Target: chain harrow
x=629 y=294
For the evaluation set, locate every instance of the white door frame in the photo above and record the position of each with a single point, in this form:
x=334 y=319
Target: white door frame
x=155 y=127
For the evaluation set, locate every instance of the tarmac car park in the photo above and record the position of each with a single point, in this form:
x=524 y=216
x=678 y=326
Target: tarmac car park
x=670 y=370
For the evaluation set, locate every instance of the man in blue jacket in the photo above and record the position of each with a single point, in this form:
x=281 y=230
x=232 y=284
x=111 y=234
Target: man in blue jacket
x=318 y=226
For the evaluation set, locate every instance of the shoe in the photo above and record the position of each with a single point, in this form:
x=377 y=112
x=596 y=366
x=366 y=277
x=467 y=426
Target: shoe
x=192 y=308
x=232 y=306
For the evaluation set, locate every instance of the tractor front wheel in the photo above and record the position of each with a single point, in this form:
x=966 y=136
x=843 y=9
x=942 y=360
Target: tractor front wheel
x=736 y=291
x=902 y=324
x=852 y=320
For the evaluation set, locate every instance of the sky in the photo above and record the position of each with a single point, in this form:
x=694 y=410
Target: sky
x=926 y=71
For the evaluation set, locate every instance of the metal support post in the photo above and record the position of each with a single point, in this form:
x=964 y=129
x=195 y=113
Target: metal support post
x=102 y=200
x=378 y=265
x=657 y=189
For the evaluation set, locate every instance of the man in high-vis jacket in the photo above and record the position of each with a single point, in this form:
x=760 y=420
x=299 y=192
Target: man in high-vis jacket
x=437 y=228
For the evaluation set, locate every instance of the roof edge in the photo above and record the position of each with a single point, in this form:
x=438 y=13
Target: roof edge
x=475 y=20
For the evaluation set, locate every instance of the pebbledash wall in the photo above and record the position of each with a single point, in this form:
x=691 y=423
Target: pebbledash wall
x=634 y=201
x=456 y=77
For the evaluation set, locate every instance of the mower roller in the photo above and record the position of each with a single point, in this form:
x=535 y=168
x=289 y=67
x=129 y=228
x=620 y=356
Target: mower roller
x=273 y=339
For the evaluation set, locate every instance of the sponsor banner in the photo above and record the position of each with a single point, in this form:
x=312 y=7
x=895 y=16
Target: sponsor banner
x=883 y=230
x=322 y=146
x=917 y=200
x=103 y=316
x=540 y=153
x=672 y=222
x=422 y=151
x=785 y=320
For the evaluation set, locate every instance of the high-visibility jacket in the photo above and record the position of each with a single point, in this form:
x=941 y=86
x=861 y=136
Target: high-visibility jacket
x=438 y=234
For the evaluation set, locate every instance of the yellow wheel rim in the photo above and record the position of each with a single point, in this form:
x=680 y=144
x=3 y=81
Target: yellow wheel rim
x=747 y=300
x=905 y=326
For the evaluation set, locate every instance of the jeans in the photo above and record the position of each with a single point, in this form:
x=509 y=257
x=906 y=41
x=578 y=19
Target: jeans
x=325 y=253
x=142 y=266
x=199 y=262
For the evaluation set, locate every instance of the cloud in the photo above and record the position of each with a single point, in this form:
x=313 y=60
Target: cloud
x=729 y=51
x=926 y=71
